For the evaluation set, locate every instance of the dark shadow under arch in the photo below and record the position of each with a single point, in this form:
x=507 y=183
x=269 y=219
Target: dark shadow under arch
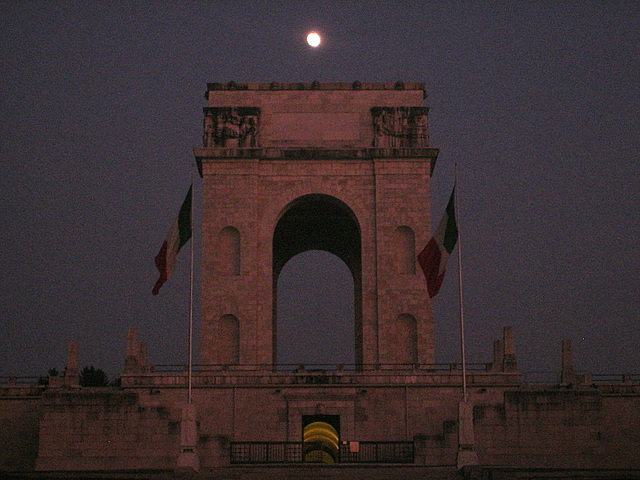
x=319 y=222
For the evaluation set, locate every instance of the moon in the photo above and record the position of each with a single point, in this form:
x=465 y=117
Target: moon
x=313 y=39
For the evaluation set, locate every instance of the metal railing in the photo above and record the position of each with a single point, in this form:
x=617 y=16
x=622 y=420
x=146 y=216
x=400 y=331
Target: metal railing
x=266 y=452
x=22 y=381
x=377 y=452
x=615 y=377
x=288 y=368
x=555 y=378
x=294 y=452
x=331 y=373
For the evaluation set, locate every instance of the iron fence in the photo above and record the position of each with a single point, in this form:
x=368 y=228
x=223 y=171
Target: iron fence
x=377 y=452
x=298 y=452
x=266 y=452
x=345 y=373
x=616 y=377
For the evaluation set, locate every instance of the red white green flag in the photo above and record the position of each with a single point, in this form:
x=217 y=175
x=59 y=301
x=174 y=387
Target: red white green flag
x=433 y=257
x=178 y=235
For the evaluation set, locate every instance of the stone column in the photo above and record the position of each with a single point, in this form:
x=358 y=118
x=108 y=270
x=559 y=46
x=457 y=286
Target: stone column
x=568 y=374
x=132 y=358
x=498 y=355
x=467 y=455
x=188 y=456
x=509 y=362
x=71 y=373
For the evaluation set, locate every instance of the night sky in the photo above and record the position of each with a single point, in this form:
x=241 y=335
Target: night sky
x=537 y=102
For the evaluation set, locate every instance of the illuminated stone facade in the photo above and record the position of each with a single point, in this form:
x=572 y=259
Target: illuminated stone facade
x=345 y=168
x=339 y=167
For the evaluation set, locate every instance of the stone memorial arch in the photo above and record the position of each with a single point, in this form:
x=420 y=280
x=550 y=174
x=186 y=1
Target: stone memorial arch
x=291 y=167
x=344 y=168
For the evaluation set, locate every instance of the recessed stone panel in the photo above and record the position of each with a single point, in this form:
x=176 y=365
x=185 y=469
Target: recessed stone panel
x=314 y=127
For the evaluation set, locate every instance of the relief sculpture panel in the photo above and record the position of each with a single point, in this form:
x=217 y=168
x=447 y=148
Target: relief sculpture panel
x=231 y=127
x=395 y=127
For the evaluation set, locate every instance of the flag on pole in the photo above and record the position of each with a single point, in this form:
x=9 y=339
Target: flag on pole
x=433 y=257
x=178 y=235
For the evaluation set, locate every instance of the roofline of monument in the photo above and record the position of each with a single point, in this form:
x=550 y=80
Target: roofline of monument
x=315 y=85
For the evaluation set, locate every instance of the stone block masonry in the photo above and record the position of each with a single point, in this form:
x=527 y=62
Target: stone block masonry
x=354 y=154
x=105 y=429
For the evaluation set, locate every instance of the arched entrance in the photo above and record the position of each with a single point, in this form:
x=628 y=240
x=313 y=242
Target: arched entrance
x=319 y=222
x=315 y=311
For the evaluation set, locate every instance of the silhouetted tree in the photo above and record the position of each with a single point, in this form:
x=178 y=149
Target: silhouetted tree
x=44 y=380
x=93 y=377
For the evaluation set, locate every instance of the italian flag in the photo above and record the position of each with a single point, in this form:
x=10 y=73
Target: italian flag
x=178 y=235
x=433 y=257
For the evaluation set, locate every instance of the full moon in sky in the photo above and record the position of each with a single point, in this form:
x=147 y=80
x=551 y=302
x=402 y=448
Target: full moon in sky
x=313 y=39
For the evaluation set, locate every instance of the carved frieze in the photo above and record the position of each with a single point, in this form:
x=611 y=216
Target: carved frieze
x=231 y=127
x=395 y=127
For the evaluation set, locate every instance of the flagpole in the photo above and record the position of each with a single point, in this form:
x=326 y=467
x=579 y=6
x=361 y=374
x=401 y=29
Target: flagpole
x=190 y=372
x=467 y=455
x=188 y=456
x=460 y=298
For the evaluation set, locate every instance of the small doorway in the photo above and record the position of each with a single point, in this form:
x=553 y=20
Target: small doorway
x=321 y=438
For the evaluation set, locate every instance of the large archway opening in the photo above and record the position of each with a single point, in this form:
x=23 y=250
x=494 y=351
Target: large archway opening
x=315 y=314
x=327 y=230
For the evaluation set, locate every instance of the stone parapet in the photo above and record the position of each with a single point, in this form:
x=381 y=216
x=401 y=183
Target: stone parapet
x=346 y=379
x=315 y=85
x=21 y=391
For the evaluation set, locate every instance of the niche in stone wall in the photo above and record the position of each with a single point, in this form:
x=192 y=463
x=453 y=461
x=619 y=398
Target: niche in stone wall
x=405 y=248
x=228 y=253
x=407 y=339
x=229 y=329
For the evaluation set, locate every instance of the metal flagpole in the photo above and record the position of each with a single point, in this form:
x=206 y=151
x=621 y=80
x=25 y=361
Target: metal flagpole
x=190 y=372
x=467 y=455
x=460 y=298
x=188 y=456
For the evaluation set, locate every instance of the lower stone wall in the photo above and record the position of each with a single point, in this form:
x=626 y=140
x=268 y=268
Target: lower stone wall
x=20 y=408
x=561 y=428
x=98 y=429
x=109 y=429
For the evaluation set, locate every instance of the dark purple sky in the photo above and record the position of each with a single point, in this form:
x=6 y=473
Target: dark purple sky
x=537 y=102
